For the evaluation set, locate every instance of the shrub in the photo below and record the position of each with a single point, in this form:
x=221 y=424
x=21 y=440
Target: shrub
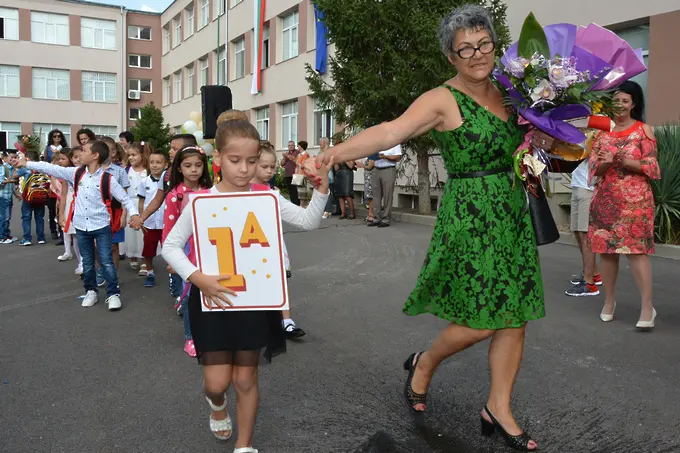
x=667 y=189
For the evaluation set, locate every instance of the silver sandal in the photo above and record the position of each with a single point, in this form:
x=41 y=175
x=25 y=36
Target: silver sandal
x=220 y=425
x=245 y=450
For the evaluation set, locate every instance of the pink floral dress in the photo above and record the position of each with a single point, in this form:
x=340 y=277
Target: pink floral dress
x=622 y=210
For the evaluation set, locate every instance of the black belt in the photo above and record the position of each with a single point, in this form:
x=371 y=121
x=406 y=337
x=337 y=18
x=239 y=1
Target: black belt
x=479 y=174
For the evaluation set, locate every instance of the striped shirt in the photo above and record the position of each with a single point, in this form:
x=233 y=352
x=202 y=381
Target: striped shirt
x=6 y=190
x=90 y=212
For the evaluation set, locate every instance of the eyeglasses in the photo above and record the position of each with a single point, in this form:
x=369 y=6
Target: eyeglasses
x=468 y=52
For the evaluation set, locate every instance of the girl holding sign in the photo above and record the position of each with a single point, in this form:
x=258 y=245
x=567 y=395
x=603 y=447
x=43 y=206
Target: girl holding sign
x=228 y=343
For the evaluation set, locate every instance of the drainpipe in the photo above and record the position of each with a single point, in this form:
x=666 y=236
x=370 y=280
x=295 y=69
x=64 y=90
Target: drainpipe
x=123 y=81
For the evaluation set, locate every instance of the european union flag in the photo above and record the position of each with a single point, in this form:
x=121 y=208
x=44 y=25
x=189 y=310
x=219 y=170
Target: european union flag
x=321 y=42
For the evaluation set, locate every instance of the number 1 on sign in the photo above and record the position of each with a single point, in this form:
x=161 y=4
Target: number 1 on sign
x=223 y=240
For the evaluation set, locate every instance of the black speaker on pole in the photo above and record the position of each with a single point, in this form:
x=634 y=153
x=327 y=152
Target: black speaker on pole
x=215 y=99
x=3 y=141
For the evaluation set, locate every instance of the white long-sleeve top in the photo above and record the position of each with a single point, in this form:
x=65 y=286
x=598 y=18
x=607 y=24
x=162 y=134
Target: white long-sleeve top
x=90 y=212
x=173 y=247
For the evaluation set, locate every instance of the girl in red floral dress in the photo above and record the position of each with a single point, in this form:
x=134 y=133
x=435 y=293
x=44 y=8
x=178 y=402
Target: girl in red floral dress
x=622 y=211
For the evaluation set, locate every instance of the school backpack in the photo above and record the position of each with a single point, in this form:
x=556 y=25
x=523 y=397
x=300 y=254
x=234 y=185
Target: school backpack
x=113 y=206
x=36 y=189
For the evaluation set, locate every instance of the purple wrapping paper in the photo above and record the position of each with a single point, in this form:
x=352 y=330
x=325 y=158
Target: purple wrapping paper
x=552 y=121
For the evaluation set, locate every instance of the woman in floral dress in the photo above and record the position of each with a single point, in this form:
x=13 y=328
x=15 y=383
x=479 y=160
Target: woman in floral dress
x=622 y=211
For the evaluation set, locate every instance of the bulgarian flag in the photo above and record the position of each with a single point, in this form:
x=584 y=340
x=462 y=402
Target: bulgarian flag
x=258 y=10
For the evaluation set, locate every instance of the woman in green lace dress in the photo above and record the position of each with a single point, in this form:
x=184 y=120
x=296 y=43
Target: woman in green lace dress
x=482 y=272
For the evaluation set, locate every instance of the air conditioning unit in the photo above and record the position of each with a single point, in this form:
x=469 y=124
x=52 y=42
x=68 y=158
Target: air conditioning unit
x=133 y=94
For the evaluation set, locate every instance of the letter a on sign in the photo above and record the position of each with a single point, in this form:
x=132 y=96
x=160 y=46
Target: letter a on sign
x=252 y=233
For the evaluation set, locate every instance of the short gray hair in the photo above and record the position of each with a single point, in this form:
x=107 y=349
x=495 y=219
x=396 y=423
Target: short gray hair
x=466 y=17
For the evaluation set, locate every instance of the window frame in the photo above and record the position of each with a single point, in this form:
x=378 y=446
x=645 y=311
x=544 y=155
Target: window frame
x=177 y=31
x=4 y=82
x=295 y=27
x=204 y=70
x=289 y=116
x=262 y=124
x=239 y=52
x=191 y=21
x=47 y=127
x=178 y=94
x=139 y=61
x=189 y=71
x=266 y=61
x=139 y=32
x=103 y=32
x=67 y=80
x=97 y=129
x=139 y=85
x=222 y=66
x=104 y=84
x=204 y=18
x=49 y=16
x=5 y=20
x=167 y=91
x=139 y=113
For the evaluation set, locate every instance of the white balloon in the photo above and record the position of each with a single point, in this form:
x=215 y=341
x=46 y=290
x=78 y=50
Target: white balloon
x=199 y=137
x=190 y=127
x=208 y=148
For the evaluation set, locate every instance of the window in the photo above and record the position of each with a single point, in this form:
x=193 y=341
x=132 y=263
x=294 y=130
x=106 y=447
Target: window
x=221 y=66
x=324 y=124
x=139 y=61
x=166 y=91
x=204 y=18
x=49 y=28
x=99 y=87
x=10 y=131
x=190 y=21
x=189 y=90
x=9 y=81
x=178 y=86
x=178 y=31
x=9 y=25
x=204 y=71
x=104 y=131
x=262 y=122
x=240 y=58
x=235 y=2
x=290 y=35
x=265 y=47
x=135 y=32
x=143 y=85
x=166 y=40
x=44 y=129
x=176 y=130
x=638 y=38
x=98 y=34
x=135 y=114
x=51 y=84
x=290 y=122
x=221 y=7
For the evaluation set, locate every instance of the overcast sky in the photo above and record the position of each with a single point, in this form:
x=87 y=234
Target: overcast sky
x=156 y=5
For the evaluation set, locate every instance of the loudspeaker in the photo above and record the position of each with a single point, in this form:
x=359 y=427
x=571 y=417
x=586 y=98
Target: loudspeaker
x=215 y=99
x=3 y=141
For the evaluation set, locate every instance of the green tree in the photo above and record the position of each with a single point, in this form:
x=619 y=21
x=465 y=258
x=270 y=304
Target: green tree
x=386 y=55
x=150 y=128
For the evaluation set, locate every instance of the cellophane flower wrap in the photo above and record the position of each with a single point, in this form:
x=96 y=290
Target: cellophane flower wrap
x=560 y=79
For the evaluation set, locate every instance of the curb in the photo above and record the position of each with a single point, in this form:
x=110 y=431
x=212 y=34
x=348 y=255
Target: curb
x=671 y=252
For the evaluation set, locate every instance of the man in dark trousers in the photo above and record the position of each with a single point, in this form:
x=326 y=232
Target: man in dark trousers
x=288 y=163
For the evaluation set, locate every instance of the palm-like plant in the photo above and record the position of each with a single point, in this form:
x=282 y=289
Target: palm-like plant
x=667 y=189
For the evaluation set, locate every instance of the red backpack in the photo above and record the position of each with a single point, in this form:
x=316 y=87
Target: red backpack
x=36 y=189
x=113 y=206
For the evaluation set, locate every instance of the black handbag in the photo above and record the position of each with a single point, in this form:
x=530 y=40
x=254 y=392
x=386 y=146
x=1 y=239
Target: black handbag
x=541 y=218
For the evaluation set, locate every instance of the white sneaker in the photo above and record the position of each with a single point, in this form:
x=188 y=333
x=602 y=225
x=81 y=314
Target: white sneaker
x=114 y=302
x=134 y=265
x=79 y=270
x=142 y=271
x=41 y=242
x=90 y=299
x=65 y=257
x=6 y=241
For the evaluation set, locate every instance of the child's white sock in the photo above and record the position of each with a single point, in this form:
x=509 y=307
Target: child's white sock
x=68 y=239
x=287 y=322
x=149 y=273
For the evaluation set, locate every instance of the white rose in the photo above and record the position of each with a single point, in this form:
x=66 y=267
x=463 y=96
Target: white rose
x=543 y=91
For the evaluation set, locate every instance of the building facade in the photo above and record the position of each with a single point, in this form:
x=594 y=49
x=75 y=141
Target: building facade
x=69 y=64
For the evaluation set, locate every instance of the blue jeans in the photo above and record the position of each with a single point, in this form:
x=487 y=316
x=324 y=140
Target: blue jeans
x=5 y=216
x=175 y=282
x=86 y=240
x=27 y=211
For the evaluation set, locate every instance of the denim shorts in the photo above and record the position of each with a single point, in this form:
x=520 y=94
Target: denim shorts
x=118 y=236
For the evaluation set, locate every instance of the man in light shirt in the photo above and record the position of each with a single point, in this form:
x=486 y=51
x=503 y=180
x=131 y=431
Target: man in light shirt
x=384 y=178
x=581 y=195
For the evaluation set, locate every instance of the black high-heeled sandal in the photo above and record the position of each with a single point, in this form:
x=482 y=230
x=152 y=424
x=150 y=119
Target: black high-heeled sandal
x=413 y=398
x=343 y=216
x=519 y=442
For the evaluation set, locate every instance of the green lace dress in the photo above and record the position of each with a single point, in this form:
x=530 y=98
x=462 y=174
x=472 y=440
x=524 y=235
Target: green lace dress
x=482 y=268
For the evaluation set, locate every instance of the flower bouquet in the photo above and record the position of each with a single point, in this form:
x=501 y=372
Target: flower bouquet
x=26 y=143
x=560 y=79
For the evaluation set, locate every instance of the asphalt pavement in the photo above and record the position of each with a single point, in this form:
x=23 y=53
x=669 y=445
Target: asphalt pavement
x=78 y=380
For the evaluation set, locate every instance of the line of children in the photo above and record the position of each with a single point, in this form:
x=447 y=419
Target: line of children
x=94 y=191
x=228 y=344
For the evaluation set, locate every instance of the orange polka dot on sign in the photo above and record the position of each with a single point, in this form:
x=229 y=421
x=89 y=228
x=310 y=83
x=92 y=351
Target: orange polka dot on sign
x=224 y=208
x=269 y=275
x=264 y=260
x=254 y=271
x=214 y=215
